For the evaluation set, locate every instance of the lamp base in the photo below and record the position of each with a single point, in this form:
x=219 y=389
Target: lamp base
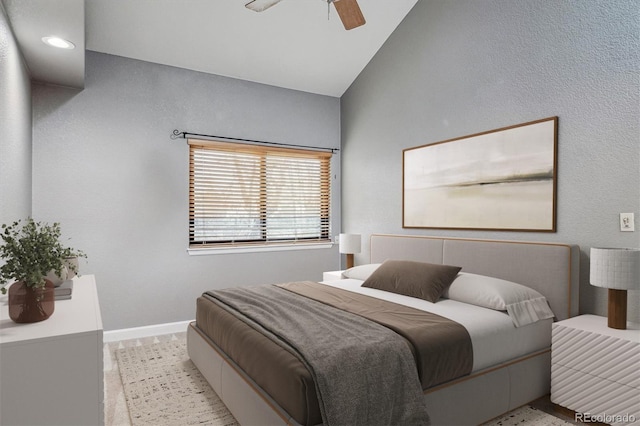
x=617 y=309
x=350 y=264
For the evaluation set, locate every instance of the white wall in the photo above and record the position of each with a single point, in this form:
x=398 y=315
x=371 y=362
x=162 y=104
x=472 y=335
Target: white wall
x=106 y=168
x=15 y=128
x=455 y=68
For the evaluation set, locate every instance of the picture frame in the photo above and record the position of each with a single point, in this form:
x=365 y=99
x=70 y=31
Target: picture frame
x=503 y=179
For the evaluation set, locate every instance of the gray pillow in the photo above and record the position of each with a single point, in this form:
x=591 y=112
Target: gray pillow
x=416 y=279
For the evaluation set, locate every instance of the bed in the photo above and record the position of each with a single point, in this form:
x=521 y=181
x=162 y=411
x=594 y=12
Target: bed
x=498 y=381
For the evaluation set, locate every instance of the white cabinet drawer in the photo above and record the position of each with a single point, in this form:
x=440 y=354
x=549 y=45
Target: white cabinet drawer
x=583 y=393
x=600 y=355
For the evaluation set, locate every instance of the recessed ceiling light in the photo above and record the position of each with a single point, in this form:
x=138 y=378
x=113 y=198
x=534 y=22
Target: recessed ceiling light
x=58 y=42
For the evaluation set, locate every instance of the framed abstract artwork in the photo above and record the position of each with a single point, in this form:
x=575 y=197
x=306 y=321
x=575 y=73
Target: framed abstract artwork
x=503 y=179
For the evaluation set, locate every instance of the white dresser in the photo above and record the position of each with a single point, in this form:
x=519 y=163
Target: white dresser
x=51 y=372
x=595 y=370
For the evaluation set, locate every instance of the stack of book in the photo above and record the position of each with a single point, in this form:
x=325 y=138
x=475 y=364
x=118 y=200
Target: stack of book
x=63 y=291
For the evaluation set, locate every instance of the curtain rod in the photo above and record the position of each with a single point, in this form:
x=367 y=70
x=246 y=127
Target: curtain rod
x=183 y=135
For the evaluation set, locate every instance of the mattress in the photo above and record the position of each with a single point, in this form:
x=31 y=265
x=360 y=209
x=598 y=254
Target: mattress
x=291 y=385
x=494 y=337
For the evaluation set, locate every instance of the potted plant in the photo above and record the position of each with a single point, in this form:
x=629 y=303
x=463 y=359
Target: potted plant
x=30 y=251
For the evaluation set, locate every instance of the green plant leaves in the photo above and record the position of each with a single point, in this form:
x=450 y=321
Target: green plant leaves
x=31 y=251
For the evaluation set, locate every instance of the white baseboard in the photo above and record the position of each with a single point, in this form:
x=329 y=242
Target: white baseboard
x=146 y=331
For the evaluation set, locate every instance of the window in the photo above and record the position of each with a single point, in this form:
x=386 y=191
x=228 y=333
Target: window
x=241 y=194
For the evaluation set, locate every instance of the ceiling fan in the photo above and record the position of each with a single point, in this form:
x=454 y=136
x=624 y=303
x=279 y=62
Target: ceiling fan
x=348 y=10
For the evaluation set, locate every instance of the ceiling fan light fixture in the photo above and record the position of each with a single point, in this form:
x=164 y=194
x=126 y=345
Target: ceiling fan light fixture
x=58 y=42
x=350 y=13
x=261 y=5
x=348 y=10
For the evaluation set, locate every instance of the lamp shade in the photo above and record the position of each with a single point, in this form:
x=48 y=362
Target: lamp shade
x=615 y=268
x=349 y=243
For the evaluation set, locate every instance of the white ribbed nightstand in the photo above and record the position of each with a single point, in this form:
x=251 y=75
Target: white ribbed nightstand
x=595 y=370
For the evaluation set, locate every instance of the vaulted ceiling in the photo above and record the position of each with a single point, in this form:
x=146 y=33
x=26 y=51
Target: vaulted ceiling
x=296 y=44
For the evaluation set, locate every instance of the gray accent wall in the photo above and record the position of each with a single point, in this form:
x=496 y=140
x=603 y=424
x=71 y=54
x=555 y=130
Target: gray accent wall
x=106 y=168
x=455 y=68
x=15 y=128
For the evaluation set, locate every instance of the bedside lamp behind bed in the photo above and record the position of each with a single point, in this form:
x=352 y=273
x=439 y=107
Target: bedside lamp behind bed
x=349 y=244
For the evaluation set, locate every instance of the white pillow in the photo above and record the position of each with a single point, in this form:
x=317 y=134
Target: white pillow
x=361 y=272
x=523 y=304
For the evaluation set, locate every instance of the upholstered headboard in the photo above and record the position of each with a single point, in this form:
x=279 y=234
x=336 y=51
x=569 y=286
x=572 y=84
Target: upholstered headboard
x=550 y=268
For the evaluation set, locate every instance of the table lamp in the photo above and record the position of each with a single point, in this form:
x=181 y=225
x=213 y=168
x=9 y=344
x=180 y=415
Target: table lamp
x=617 y=269
x=349 y=244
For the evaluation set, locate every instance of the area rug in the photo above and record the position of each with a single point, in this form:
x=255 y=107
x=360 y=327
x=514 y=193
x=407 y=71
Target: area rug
x=527 y=415
x=163 y=387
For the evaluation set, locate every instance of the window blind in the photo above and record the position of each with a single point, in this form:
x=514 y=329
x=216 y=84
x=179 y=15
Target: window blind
x=241 y=194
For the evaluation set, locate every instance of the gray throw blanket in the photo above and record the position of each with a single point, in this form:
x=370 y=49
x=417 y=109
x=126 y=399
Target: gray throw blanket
x=365 y=374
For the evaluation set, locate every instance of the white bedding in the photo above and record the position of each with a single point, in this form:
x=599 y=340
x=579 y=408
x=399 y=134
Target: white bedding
x=494 y=337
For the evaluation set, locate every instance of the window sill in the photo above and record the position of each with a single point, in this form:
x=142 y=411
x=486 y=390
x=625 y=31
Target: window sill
x=256 y=249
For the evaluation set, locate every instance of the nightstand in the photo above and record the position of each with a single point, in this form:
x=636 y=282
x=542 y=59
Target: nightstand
x=332 y=275
x=595 y=370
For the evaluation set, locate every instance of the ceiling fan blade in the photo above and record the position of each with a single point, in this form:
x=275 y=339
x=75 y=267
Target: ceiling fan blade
x=350 y=13
x=260 y=5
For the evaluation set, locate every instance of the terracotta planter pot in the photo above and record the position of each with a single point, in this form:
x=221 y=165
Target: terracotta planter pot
x=30 y=304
